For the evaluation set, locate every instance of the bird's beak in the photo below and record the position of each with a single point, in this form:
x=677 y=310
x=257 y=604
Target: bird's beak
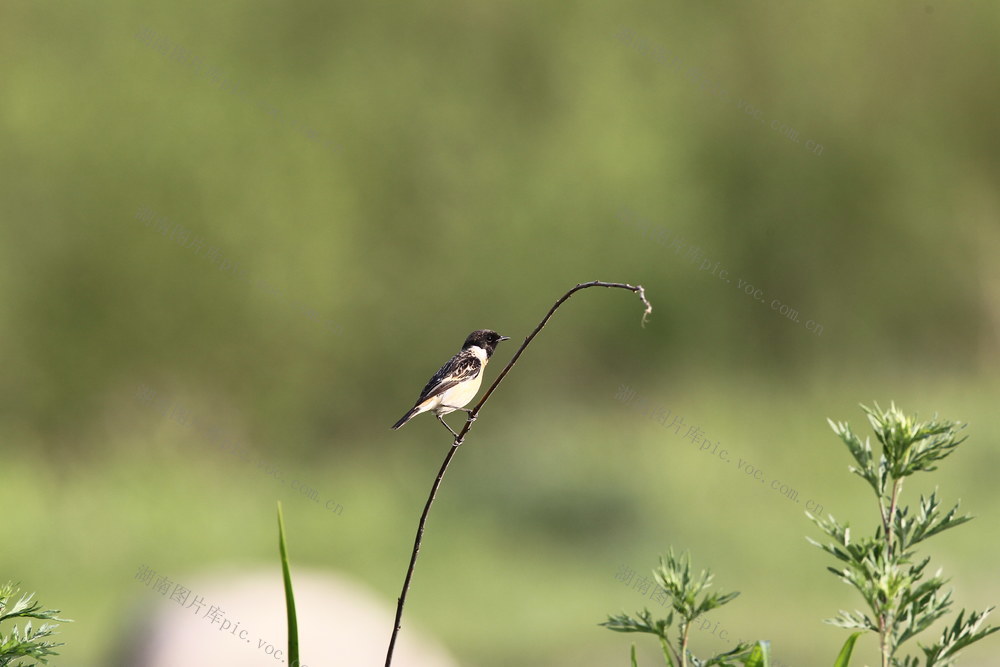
x=503 y=338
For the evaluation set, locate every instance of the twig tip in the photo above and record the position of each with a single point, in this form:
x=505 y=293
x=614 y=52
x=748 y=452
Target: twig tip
x=649 y=308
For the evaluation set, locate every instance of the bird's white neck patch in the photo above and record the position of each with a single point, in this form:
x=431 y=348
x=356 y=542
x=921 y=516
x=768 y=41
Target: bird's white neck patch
x=479 y=352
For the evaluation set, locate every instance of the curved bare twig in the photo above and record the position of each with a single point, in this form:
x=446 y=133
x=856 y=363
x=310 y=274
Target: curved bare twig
x=460 y=438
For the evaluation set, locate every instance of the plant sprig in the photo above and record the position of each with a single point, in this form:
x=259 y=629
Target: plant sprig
x=29 y=642
x=689 y=599
x=902 y=601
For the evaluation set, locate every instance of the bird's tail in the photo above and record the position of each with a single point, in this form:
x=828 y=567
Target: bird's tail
x=407 y=417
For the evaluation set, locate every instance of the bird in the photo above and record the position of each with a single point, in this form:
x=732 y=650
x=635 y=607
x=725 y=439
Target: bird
x=457 y=382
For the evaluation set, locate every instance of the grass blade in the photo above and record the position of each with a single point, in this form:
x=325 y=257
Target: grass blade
x=844 y=659
x=293 y=625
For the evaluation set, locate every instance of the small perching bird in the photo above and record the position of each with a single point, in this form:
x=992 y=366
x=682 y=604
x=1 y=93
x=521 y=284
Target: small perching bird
x=458 y=381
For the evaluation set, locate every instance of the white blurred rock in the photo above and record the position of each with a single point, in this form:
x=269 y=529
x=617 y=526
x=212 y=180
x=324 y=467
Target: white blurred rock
x=341 y=623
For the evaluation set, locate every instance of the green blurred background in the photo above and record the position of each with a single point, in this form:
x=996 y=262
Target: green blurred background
x=281 y=219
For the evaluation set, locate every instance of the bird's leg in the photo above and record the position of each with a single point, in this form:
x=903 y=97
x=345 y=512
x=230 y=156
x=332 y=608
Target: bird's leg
x=441 y=419
x=471 y=416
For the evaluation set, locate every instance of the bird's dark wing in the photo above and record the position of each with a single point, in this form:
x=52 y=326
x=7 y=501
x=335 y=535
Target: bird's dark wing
x=463 y=366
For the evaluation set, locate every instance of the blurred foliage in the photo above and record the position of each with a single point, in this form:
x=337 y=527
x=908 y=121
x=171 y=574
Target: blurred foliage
x=339 y=194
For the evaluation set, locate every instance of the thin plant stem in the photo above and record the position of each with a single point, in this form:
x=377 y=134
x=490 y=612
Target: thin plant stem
x=888 y=521
x=684 y=645
x=896 y=486
x=883 y=640
x=397 y=624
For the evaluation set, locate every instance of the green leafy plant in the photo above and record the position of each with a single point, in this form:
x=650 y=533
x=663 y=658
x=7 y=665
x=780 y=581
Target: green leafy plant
x=689 y=599
x=884 y=568
x=30 y=642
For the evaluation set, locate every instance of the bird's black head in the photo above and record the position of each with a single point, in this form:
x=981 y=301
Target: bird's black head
x=485 y=339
